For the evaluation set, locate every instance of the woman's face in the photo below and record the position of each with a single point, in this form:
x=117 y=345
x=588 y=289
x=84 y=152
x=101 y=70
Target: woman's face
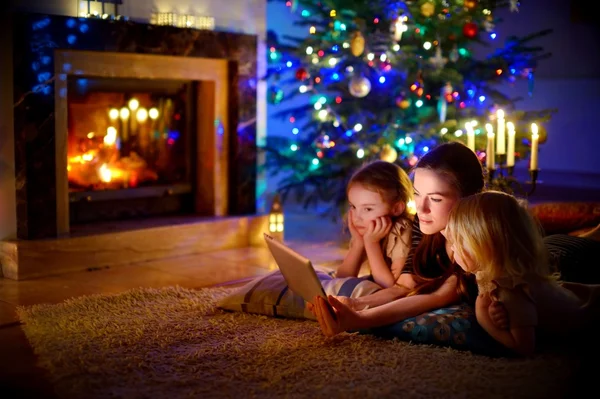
x=434 y=198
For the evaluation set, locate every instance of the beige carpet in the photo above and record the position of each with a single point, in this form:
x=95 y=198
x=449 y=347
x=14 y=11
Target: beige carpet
x=174 y=343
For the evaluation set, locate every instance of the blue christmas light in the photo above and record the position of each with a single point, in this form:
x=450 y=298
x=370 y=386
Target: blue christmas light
x=71 y=23
x=83 y=28
x=295 y=130
x=41 y=24
x=71 y=39
x=492 y=35
x=481 y=99
x=289 y=64
x=382 y=79
x=335 y=76
x=43 y=76
x=46 y=59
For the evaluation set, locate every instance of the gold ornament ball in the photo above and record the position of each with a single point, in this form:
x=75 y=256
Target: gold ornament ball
x=427 y=9
x=357 y=44
x=359 y=86
x=404 y=104
x=388 y=154
x=470 y=4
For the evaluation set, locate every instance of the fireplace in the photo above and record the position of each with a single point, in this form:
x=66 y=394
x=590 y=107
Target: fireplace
x=129 y=147
x=140 y=136
x=132 y=142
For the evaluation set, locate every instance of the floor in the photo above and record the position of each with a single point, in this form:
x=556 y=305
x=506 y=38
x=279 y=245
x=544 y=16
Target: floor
x=317 y=237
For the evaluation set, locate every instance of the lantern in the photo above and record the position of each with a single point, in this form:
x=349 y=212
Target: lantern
x=276 y=218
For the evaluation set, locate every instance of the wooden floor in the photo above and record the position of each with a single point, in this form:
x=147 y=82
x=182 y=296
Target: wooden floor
x=315 y=236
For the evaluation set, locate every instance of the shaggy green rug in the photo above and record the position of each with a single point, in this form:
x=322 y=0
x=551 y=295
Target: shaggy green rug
x=174 y=343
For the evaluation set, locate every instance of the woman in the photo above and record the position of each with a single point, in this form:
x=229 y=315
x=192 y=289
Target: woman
x=444 y=175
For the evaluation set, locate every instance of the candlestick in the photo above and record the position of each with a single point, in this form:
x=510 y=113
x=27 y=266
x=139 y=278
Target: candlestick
x=534 y=147
x=510 y=153
x=470 y=135
x=501 y=136
x=490 y=161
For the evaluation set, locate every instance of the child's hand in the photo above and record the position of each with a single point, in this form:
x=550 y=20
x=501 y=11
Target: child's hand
x=499 y=315
x=378 y=229
x=311 y=308
x=353 y=232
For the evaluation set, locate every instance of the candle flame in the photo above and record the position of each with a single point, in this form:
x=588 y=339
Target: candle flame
x=490 y=129
x=534 y=129
x=111 y=136
x=500 y=114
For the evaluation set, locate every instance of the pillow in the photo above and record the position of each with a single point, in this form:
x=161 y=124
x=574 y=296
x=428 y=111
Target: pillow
x=564 y=217
x=269 y=295
x=453 y=326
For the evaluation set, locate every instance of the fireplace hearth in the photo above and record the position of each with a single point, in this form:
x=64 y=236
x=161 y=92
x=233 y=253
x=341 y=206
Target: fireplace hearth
x=129 y=129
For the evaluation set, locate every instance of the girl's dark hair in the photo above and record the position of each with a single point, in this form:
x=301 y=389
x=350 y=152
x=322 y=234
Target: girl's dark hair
x=460 y=167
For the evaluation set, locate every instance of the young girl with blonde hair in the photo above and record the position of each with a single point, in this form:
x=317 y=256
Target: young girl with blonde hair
x=497 y=239
x=379 y=222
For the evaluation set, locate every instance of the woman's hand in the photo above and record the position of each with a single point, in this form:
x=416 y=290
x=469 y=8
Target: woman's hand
x=356 y=236
x=351 y=303
x=345 y=318
x=378 y=229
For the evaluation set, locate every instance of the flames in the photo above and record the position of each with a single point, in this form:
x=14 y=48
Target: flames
x=102 y=167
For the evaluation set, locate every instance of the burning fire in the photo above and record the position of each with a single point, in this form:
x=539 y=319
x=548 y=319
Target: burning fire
x=102 y=167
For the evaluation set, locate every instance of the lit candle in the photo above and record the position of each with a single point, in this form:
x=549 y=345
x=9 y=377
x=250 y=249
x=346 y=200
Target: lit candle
x=534 y=147
x=470 y=135
x=501 y=150
x=490 y=161
x=510 y=153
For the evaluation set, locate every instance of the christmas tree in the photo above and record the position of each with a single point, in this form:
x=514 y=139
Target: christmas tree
x=392 y=79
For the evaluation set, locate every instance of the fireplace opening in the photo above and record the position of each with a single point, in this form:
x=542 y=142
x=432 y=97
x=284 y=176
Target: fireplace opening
x=129 y=148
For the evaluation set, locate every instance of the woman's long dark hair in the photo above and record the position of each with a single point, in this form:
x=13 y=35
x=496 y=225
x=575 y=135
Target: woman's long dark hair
x=460 y=167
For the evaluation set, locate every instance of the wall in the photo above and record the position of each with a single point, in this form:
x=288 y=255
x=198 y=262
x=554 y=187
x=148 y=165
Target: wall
x=8 y=211
x=568 y=81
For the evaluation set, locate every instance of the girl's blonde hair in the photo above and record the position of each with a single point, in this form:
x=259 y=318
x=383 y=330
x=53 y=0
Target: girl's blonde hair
x=387 y=179
x=499 y=235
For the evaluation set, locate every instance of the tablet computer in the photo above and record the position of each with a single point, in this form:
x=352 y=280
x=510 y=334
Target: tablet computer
x=298 y=271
